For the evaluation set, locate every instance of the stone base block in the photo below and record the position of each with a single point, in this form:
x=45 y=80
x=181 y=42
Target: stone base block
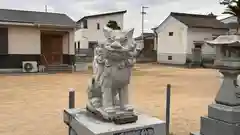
x=211 y=126
x=82 y=122
x=224 y=113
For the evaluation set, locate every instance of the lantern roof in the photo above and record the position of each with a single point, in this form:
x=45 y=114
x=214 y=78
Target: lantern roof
x=225 y=40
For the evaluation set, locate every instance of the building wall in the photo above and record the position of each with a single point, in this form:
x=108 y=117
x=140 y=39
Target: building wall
x=24 y=44
x=202 y=34
x=155 y=43
x=71 y=43
x=24 y=40
x=81 y=39
x=94 y=34
x=172 y=46
x=65 y=43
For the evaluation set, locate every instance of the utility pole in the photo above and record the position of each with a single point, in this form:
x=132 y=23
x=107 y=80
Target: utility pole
x=143 y=13
x=46 y=8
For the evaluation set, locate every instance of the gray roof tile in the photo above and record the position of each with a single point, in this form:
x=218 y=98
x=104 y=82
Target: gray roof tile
x=42 y=18
x=199 y=21
x=102 y=14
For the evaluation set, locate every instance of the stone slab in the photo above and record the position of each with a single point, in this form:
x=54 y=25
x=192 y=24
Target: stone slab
x=211 y=126
x=83 y=123
x=229 y=114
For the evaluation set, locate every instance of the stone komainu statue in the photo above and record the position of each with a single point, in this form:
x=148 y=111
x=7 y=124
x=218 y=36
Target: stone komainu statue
x=112 y=66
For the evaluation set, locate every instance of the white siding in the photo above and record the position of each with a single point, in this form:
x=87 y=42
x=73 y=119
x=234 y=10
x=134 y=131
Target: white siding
x=27 y=40
x=92 y=33
x=24 y=40
x=68 y=43
x=174 y=46
x=80 y=37
x=65 y=43
x=71 y=43
x=155 y=44
x=201 y=34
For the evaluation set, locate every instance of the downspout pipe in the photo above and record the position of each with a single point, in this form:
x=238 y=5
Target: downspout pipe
x=156 y=37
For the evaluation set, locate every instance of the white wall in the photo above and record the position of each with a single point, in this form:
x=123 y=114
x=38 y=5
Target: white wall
x=155 y=44
x=68 y=43
x=79 y=37
x=24 y=40
x=92 y=33
x=71 y=43
x=27 y=40
x=65 y=43
x=175 y=45
x=202 y=34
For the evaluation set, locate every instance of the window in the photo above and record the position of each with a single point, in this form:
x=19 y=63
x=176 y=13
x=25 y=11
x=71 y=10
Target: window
x=85 y=24
x=169 y=57
x=198 y=46
x=170 y=33
x=98 y=26
x=78 y=44
x=75 y=45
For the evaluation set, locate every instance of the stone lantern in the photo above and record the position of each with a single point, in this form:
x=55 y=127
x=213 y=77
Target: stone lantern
x=224 y=115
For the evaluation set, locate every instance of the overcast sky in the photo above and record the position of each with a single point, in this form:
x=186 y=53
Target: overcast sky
x=158 y=9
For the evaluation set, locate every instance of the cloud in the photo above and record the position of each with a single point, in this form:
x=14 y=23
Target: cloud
x=158 y=9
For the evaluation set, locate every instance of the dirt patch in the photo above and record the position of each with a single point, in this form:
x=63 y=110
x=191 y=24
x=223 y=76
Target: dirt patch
x=33 y=104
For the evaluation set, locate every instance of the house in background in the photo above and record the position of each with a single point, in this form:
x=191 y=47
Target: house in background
x=232 y=23
x=35 y=38
x=181 y=36
x=148 y=48
x=90 y=28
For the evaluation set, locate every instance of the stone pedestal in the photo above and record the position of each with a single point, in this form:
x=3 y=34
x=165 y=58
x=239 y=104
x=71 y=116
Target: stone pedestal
x=224 y=115
x=82 y=122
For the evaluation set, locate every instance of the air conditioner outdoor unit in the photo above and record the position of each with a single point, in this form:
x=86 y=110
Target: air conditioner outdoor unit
x=29 y=66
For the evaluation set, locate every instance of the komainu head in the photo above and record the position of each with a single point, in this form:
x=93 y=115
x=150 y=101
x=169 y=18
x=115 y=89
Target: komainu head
x=118 y=40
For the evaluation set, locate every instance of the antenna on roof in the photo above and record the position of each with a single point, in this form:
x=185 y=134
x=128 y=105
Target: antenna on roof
x=46 y=8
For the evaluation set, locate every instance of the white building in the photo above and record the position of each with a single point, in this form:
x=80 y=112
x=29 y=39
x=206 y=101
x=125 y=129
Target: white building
x=90 y=30
x=178 y=32
x=232 y=23
x=42 y=37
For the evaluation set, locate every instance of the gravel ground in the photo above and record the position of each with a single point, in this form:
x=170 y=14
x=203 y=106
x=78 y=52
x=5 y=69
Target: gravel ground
x=33 y=104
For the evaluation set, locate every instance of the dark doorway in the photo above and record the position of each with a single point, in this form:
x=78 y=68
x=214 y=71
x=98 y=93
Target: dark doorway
x=3 y=41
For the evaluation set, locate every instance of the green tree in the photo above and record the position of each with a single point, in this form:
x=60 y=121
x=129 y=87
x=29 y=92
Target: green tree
x=113 y=25
x=233 y=8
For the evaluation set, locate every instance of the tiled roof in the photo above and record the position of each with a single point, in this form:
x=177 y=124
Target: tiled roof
x=42 y=18
x=199 y=21
x=103 y=14
x=145 y=35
